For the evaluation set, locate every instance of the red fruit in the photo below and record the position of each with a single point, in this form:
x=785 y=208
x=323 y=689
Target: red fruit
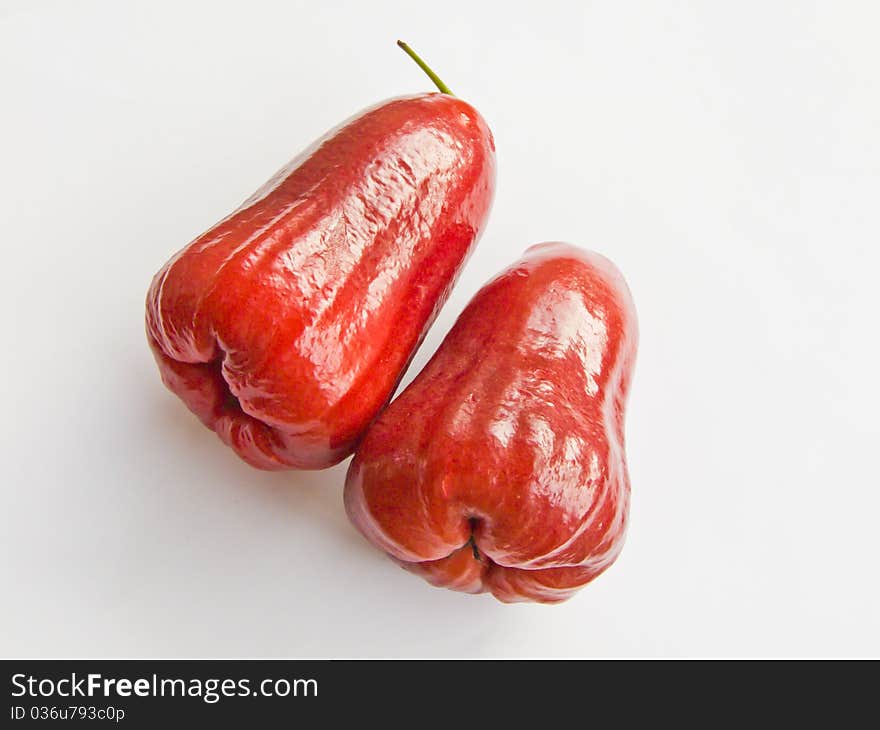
x=501 y=467
x=287 y=326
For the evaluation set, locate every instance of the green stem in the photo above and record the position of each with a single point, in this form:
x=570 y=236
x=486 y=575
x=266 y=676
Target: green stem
x=424 y=66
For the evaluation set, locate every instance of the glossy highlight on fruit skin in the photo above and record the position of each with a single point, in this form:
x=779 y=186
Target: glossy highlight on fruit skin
x=501 y=467
x=286 y=327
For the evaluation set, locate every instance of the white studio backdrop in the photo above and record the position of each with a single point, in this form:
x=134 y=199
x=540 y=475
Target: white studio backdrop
x=725 y=155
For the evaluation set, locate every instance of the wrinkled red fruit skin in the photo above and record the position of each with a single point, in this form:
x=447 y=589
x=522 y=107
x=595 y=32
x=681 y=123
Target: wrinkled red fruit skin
x=501 y=467
x=286 y=327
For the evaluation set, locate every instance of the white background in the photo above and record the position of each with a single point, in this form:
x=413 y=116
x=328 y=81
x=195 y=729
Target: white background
x=725 y=155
